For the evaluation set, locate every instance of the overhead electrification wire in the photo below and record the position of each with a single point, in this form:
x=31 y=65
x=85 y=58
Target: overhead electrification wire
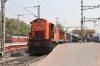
x=11 y=10
x=46 y=8
x=29 y=11
x=14 y=3
x=51 y=8
x=16 y=13
x=41 y=4
x=22 y=7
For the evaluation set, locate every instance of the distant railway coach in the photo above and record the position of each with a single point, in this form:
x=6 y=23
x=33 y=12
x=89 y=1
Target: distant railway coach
x=97 y=39
x=44 y=36
x=13 y=39
x=68 y=36
x=64 y=37
x=75 y=38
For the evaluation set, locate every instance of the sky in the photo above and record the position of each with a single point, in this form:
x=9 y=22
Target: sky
x=68 y=11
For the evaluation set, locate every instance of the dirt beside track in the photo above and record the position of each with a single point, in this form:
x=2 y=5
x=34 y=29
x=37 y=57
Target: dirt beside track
x=23 y=60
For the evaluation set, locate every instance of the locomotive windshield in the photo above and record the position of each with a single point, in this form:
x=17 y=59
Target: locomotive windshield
x=37 y=20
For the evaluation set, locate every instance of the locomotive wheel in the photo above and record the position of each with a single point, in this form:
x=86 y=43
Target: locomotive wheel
x=61 y=42
x=51 y=47
x=54 y=45
x=0 y=56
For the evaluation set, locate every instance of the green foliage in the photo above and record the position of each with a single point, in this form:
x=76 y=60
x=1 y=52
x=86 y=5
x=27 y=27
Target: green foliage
x=24 y=29
x=12 y=26
x=66 y=30
x=60 y=26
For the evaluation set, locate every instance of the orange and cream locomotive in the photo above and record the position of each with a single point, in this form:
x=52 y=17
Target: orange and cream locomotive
x=44 y=36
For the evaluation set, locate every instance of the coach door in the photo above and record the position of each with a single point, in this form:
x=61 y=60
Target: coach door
x=51 y=31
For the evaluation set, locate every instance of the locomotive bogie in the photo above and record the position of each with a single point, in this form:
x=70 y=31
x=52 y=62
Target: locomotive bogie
x=43 y=46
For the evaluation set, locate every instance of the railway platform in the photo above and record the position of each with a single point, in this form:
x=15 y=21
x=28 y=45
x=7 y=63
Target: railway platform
x=74 y=54
x=13 y=46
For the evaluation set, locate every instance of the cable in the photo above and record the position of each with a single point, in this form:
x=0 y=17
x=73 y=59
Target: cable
x=10 y=10
x=45 y=8
x=15 y=12
x=29 y=11
x=22 y=7
x=51 y=8
x=14 y=3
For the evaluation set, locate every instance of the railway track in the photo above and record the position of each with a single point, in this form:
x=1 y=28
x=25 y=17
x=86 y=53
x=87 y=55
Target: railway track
x=23 y=60
x=13 y=53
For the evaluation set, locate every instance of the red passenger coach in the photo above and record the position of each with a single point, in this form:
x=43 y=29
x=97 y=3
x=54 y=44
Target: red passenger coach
x=43 y=36
x=13 y=39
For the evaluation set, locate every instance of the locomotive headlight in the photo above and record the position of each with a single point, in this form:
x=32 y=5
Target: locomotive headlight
x=39 y=27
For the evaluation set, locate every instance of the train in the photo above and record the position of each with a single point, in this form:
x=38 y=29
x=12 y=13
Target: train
x=69 y=37
x=14 y=39
x=97 y=39
x=14 y=45
x=75 y=38
x=44 y=36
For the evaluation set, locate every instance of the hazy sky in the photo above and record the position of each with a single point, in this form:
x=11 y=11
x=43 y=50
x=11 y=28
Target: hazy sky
x=67 y=11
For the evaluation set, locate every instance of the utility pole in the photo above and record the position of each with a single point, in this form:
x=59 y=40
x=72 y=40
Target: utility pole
x=66 y=28
x=97 y=28
x=18 y=26
x=38 y=11
x=75 y=27
x=57 y=21
x=62 y=24
x=89 y=19
x=2 y=27
x=29 y=11
x=82 y=34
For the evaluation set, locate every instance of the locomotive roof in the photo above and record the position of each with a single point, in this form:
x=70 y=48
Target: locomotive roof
x=50 y=23
x=43 y=19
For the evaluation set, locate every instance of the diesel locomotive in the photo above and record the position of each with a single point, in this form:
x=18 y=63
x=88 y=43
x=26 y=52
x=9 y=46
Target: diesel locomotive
x=44 y=36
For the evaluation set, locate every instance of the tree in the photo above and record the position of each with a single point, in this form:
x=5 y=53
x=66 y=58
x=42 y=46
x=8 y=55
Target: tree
x=60 y=26
x=12 y=27
x=24 y=29
x=66 y=30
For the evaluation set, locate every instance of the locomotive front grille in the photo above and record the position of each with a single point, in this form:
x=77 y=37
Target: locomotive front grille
x=39 y=35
